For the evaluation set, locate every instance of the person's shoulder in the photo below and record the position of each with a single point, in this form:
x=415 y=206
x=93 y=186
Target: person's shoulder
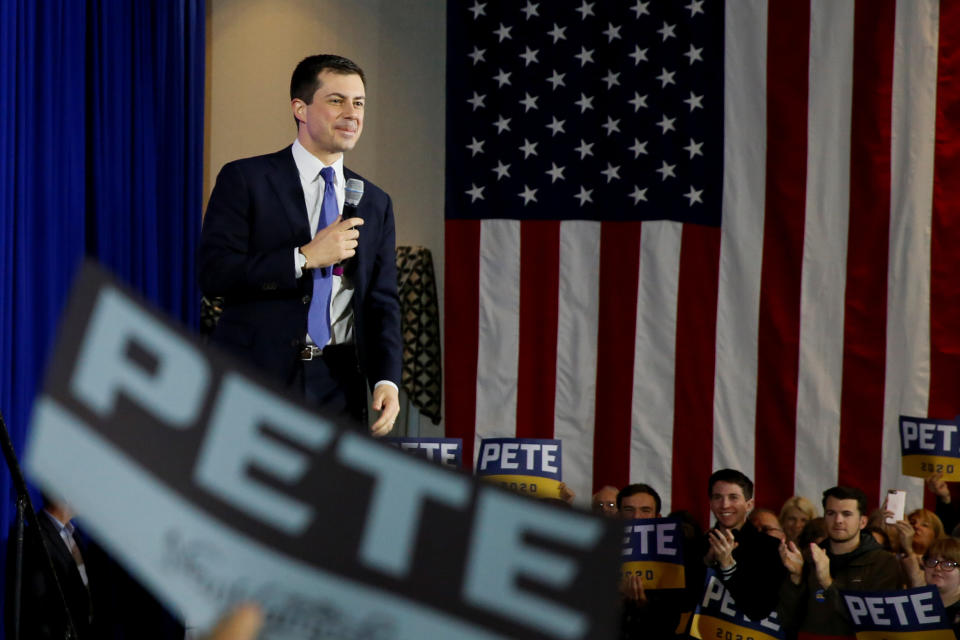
x=282 y=156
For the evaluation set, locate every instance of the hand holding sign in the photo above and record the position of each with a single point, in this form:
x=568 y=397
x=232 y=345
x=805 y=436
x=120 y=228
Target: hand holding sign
x=631 y=587
x=243 y=623
x=938 y=487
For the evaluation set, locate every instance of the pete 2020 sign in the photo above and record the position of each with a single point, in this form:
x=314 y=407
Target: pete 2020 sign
x=717 y=616
x=912 y=614
x=930 y=446
x=653 y=549
x=215 y=487
x=523 y=465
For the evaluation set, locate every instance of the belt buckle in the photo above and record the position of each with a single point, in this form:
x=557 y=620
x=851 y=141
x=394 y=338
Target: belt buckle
x=309 y=352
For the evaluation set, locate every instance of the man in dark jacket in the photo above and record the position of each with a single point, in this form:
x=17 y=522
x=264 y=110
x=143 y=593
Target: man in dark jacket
x=744 y=558
x=848 y=560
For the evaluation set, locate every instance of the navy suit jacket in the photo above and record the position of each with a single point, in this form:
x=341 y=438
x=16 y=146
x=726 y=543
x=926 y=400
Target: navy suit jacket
x=255 y=219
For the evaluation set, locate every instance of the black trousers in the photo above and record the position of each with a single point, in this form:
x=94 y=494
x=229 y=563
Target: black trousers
x=334 y=383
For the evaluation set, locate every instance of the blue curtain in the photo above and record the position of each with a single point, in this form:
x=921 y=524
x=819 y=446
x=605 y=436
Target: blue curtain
x=101 y=154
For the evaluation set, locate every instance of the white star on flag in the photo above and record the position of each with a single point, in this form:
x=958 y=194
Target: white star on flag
x=694 y=54
x=584 y=103
x=584 y=195
x=666 y=124
x=638 y=54
x=529 y=56
x=477 y=9
x=612 y=126
x=611 y=172
x=555 y=172
x=667 y=31
x=557 y=33
x=585 y=56
x=694 y=195
x=695 y=101
x=666 y=171
x=528 y=195
x=475 y=147
x=585 y=149
x=639 y=147
x=477 y=54
x=666 y=77
x=694 y=148
x=528 y=148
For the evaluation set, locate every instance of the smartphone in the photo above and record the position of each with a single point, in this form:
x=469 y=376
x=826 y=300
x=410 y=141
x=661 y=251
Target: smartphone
x=896 y=502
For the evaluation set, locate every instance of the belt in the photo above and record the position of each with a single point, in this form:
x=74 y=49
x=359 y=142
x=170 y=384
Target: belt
x=310 y=351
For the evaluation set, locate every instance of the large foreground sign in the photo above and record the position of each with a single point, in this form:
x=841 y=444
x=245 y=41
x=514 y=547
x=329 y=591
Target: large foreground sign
x=214 y=487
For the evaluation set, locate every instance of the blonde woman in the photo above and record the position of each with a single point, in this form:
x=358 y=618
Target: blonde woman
x=794 y=514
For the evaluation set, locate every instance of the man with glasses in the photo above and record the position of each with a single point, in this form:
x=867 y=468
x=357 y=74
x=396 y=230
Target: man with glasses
x=604 y=502
x=849 y=560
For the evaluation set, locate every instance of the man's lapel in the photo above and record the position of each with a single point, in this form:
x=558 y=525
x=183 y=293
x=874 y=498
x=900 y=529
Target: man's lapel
x=285 y=180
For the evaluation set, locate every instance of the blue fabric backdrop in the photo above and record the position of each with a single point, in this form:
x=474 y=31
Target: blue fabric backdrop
x=101 y=153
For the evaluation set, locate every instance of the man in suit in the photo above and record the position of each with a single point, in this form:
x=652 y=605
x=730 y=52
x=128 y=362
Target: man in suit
x=310 y=296
x=42 y=613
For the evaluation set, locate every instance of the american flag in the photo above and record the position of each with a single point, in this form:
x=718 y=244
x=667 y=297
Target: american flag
x=686 y=234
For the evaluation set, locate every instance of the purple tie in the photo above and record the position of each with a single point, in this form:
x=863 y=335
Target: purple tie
x=318 y=318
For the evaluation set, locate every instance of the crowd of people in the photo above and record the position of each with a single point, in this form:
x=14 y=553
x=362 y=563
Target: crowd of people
x=792 y=564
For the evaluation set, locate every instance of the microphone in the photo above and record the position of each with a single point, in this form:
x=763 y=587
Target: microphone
x=352 y=193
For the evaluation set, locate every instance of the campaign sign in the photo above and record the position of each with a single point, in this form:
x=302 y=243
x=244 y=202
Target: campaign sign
x=930 y=446
x=446 y=451
x=522 y=465
x=716 y=616
x=912 y=614
x=214 y=487
x=653 y=550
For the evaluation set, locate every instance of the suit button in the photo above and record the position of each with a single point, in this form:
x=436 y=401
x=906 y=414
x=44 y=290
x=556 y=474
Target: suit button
x=305 y=299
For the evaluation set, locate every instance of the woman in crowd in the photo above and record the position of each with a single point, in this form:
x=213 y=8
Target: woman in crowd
x=940 y=569
x=916 y=534
x=794 y=514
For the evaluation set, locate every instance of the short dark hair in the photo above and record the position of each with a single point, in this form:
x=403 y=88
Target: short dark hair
x=305 y=82
x=733 y=477
x=846 y=493
x=634 y=489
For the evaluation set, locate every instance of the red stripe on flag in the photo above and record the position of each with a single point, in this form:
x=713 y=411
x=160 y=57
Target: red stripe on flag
x=537 y=365
x=461 y=312
x=695 y=363
x=865 y=313
x=784 y=216
x=944 y=401
x=616 y=334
